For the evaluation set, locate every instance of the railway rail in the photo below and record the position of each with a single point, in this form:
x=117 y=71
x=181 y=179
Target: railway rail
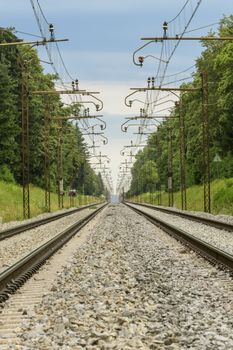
x=7 y=233
x=194 y=217
x=17 y=274
x=145 y=277
x=205 y=249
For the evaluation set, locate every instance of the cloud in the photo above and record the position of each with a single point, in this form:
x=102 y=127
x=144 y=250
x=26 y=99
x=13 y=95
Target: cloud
x=113 y=95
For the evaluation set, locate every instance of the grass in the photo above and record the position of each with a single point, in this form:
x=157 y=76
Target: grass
x=221 y=197
x=11 y=201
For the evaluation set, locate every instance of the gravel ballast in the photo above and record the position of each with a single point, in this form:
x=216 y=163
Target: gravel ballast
x=219 y=217
x=16 y=247
x=11 y=224
x=131 y=286
x=221 y=239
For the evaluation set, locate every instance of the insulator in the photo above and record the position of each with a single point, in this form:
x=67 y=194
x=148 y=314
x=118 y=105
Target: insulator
x=148 y=82
x=165 y=26
x=141 y=60
x=51 y=28
x=153 y=81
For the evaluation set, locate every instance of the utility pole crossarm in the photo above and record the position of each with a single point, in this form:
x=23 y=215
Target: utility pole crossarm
x=55 y=92
x=34 y=43
x=74 y=117
x=63 y=92
x=151 y=117
x=205 y=38
x=165 y=89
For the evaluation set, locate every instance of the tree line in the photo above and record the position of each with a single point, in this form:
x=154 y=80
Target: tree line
x=150 y=170
x=77 y=172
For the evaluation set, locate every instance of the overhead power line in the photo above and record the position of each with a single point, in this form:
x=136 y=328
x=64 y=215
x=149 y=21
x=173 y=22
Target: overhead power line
x=182 y=9
x=63 y=63
x=42 y=12
x=181 y=72
x=196 y=29
x=26 y=33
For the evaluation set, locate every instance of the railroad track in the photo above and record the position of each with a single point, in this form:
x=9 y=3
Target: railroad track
x=30 y=225
x=206 y=221
x=17 y=274
x=205 y=249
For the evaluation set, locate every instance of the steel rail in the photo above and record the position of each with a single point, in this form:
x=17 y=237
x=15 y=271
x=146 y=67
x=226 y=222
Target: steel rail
x=17 y=274
x=30 y=225
x=205 y=249
x=206 y=221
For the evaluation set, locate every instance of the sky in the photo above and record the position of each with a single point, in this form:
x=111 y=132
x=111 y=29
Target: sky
x=102 y=37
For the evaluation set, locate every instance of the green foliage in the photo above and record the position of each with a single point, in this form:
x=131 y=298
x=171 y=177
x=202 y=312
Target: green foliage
x=223 y=198
x=9 y=119
x=6 y=175
x=221 y=195
x=148 y=175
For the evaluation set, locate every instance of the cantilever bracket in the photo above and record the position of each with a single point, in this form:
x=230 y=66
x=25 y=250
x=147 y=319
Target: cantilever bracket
x=139 y=49
x=102 y=126
x=101 y=102
x=124 y=128
x=105 y=141
x=130 y=102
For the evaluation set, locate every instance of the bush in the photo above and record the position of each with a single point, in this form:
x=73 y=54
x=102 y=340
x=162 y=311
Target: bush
x=6 y=175
x=223 y=198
